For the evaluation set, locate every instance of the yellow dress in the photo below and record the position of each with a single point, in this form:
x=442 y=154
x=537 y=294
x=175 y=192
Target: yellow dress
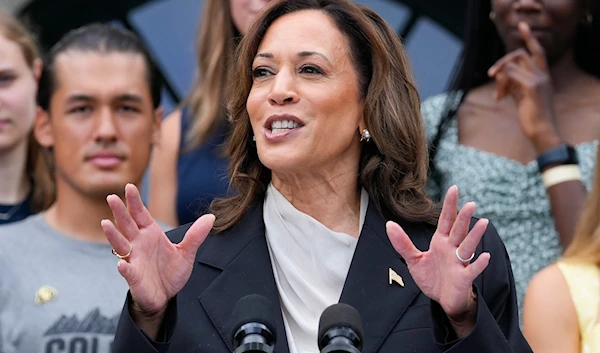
x=583 y=281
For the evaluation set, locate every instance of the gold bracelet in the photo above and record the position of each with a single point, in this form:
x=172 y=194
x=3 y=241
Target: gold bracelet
x=561 y=174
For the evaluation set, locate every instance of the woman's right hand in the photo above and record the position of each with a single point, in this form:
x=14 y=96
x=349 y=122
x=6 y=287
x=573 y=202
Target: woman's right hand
x=525 y=75
x=155 y=269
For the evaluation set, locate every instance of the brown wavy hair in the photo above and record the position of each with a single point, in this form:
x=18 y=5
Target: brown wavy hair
x=215 y=46
x=393 y=165
x=41 y=179
x=585 y=246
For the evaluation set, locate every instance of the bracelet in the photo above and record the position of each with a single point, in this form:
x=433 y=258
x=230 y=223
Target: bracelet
x=561 y=154
x=561 y=174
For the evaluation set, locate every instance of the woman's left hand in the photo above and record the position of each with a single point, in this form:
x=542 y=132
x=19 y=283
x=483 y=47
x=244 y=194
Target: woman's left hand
x=438 y=272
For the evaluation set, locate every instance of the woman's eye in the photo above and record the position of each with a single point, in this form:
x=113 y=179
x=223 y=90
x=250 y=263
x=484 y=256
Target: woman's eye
x=260 y=72
x=311 y=70
x=4 y=79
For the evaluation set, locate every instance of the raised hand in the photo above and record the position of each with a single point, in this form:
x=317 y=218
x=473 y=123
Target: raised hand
x=155 y=268
x=439 y=272
x=524 y=75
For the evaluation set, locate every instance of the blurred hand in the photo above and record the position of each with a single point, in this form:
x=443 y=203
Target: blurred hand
x=438 y=272
x=524 y=75
x=156 y=270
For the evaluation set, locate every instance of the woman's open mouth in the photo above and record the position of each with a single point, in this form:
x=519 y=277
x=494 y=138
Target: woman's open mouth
x=281 y=126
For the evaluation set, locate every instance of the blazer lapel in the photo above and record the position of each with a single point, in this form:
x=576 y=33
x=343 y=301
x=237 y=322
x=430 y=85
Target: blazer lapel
x=243 y=257
x=367 y=287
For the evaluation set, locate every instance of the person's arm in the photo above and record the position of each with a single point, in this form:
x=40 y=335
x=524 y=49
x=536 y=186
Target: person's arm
x=162 y=198
x=497 y=321
x=155 y=268
x=566 y=199
x=525 y=75
x=549 y=317
x=10 y=309
x=473 y=302
x=133 y=335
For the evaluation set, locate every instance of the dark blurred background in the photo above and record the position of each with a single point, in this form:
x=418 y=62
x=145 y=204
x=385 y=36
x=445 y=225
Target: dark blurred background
x=431 y=30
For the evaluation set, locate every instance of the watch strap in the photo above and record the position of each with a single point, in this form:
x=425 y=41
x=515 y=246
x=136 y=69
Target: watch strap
x=561 y=154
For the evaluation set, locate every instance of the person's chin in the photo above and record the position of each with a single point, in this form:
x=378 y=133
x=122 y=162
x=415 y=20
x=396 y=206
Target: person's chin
x=515 y=42
x=285 y=164
x=102 y=186
x=102 y=191
x=7 y=142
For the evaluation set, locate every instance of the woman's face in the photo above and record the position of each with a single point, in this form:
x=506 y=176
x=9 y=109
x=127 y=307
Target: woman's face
x=553 y=22
x=304 y=105
x=244 y=11
x=18 y=87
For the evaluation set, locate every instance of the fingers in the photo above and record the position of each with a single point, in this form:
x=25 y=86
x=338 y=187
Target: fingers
x=448 y=214
x=136 y=207
x=534 y=57
x=195 y=236
x=123 y=219
x=127 y=271
x=502 y=86
x=477 y=266
x=468 y=245
x=533 y=45
x=402 y=243
x=519 y=56
x=460 y=228
x=511 y=79
x=117 y=240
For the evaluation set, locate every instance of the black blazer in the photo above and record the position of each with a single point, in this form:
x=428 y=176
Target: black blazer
x=396 y=319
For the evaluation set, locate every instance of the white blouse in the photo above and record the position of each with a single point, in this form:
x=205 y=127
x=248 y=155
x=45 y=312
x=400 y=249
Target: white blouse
x=310 y=264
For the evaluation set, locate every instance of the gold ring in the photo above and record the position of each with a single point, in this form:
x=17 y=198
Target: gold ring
x=123 y=256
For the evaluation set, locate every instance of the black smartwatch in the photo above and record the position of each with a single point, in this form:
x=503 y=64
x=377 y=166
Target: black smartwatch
x=562 y=154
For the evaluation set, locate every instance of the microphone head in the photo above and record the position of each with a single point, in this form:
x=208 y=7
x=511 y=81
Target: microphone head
x=339 y=315
x=253 y=308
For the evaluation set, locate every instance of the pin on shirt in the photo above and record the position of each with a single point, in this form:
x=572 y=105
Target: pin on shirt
x=394 y=277
x=45 y=294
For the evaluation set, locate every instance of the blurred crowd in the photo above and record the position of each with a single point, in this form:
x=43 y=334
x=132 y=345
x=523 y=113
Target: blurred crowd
x=517 y=131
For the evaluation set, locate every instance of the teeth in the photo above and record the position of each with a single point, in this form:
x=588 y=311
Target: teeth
x=285 y=124
x=278 y=131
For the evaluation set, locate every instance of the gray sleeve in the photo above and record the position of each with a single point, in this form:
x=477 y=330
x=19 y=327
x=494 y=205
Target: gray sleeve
x=9 y=303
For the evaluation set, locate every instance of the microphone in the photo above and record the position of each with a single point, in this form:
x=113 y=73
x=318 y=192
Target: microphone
x=340 y=330
x=253 y=330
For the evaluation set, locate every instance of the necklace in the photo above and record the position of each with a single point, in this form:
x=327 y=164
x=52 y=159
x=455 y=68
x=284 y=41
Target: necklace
x=5 y=216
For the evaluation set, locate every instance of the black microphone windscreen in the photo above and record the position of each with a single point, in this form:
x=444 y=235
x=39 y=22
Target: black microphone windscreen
x=340 y=315
x=253 y=308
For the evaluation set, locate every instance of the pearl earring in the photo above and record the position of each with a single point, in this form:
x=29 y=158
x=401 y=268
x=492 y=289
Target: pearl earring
x=365 y=135
x=253 y=138
x=492 y=15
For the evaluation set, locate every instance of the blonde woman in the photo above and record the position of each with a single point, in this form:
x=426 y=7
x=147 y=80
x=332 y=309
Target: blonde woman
x=188 y=167
x=22 y=190
x=562 y=303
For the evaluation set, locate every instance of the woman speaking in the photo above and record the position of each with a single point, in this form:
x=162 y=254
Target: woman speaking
x=328 y=171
